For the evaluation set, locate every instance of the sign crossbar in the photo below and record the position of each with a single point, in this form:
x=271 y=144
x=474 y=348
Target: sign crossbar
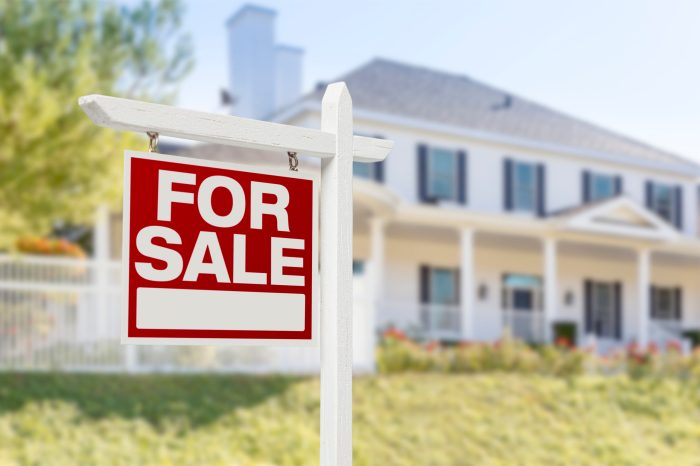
x=141 y=117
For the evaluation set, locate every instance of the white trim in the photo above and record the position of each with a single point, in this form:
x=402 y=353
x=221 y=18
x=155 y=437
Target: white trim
x=687 y=171
x=585 y=221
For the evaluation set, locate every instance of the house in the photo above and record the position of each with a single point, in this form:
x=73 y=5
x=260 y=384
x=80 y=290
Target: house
x=494 y=212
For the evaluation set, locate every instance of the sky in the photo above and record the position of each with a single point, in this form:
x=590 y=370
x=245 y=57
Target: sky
x=632 y=66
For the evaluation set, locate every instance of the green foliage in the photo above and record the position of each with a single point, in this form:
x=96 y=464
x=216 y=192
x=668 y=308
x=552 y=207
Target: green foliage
x=565 y=331
x=55 y=165
x=399 y=354
x=493 y=419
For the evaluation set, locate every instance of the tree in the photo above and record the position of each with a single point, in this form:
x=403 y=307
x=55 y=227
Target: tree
x=55 y=165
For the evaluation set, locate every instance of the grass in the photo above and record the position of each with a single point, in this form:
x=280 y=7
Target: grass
x=408 y=419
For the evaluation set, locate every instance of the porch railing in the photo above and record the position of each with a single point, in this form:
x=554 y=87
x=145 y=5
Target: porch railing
x=525 y=325
x=662 y=331
x=428 y=321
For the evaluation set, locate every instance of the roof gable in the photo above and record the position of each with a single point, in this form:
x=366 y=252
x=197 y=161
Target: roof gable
x=619 y=216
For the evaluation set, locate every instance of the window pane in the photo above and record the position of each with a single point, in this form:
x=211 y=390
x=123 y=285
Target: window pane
x=362 y=170
x=602 y=187
x=524 y=187
x=663 y=201
x=358 y=267
x=443 y=287
x=442 y=172
x=522 y=300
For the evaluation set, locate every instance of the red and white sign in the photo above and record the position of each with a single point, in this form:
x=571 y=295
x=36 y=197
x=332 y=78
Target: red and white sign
x=218 y=253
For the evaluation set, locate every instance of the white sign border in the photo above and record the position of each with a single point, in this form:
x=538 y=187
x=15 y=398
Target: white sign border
x=126 y=223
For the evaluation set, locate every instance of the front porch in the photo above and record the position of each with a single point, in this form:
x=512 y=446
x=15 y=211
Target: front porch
x=449 y=275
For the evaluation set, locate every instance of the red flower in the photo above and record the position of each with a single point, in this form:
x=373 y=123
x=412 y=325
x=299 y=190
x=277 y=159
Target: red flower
x=563 y=342
x=394 y=333
x=674 y=345
x=432 y=346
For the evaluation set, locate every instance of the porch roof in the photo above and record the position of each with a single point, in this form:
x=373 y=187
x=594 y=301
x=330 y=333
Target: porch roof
x=619 y=221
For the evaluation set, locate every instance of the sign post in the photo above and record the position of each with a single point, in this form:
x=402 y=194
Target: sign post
x=337 y=148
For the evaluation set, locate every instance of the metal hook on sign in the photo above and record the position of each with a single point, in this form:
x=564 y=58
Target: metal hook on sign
x=293 y=161
x=152 y=141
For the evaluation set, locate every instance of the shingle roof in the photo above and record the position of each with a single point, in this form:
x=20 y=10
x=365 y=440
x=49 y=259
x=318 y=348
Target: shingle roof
x=417 y=92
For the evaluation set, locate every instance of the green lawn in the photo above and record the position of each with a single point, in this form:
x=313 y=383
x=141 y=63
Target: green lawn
x=418 y=419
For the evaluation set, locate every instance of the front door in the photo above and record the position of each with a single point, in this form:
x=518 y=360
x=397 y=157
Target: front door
x=603 y=309
x=522 y=306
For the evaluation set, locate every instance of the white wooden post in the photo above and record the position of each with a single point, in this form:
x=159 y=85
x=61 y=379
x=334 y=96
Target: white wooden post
x=377 y=246
x=643 y=280
x=466 y=287
x=336 y=281
x=551 y=286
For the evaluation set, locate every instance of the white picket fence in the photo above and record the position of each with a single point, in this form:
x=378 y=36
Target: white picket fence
x=64 y=314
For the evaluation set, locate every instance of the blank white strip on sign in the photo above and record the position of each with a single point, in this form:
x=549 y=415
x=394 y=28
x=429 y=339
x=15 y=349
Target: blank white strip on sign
x=171 y=308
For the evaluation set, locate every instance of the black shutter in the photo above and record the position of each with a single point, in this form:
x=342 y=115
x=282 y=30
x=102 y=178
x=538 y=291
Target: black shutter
x=618 y=185
x=462 y=176
x=586 y=187
x=649 y=194
x=618 y=310
x=541 y=190
x=423 y=173
x=652 y=301
x=379 y=166
x=679 y=207
x=379 y=172
x=424 y=284
x=508 y=184
x=458 y=290
x=588 y=309
x=678 y=298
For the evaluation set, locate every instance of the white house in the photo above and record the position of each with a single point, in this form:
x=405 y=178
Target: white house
x=496 y=212
x=491 y=213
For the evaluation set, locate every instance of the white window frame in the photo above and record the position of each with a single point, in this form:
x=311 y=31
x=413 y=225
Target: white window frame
x=455 y=173
x=515 y=187
x=672 y=201
x=592 y=184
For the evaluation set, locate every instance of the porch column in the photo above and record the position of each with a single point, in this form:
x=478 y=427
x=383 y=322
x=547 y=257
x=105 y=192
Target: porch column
x=466 y=287
x=551 y=286
x=643 y=283
x=377 y=229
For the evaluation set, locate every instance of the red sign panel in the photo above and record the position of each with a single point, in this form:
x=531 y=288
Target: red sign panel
x=218 y=253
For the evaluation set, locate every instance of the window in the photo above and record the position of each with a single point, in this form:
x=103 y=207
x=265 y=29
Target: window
x=358 y=267
x=369 y=171
x=601 y=186
x=665 y=303
x=443 y=286
x=524 y=187
x=521 y=292
x=603 y=312
x=662 y=200
x=363 y=170
x=442 y=174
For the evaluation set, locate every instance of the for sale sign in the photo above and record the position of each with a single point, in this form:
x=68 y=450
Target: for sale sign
x=218 y=253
